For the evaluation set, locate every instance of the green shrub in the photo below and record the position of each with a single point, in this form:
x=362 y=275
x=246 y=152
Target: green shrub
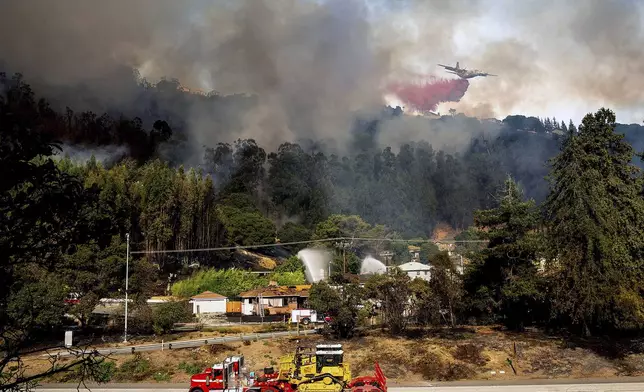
x=135 y=369
x=190 y=368
x=292 y=264
x=161 y=376
x=139 y=318
x=165 y=315
x=104 y=372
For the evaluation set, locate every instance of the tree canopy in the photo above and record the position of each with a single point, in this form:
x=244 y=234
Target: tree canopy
x=595 y=220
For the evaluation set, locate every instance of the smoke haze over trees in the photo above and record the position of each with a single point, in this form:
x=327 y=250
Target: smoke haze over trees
x=409 y=173
x=354 y=49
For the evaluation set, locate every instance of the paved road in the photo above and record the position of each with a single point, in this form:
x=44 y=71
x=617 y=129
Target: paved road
x=193 y=343
x=536 y=386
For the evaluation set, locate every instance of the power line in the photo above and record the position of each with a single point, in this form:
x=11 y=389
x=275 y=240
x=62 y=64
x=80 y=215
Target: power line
x=233 y=247
x=296 y=243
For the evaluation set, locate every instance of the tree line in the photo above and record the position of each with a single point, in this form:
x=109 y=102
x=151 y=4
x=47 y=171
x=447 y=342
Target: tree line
x=574 y=262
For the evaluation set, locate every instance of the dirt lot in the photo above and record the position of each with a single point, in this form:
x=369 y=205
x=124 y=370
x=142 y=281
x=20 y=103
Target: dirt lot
x=437 y=355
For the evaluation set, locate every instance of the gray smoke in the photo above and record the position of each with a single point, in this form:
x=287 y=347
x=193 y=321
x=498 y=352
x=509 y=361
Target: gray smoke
x=105 y=155
x=450 y=135
x=312 y=63
x=582 y=55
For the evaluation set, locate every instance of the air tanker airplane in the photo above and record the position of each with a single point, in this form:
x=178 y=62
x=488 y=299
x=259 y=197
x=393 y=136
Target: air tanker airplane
x=464 y=73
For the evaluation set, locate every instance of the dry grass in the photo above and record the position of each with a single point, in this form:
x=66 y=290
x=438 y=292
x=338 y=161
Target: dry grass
x=443 y=354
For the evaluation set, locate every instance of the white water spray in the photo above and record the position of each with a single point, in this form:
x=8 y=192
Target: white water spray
x=371 y=265
x=316 y=264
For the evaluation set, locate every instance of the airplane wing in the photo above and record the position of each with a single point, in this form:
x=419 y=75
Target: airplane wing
x=447 y=67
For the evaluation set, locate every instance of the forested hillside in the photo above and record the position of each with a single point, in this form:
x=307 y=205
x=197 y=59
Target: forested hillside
x=168 y=195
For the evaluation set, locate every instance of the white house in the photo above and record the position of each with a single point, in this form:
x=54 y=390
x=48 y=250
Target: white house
x=208 y=302
x=417 y=270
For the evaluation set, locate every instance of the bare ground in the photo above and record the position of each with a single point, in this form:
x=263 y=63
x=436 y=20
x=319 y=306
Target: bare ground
x=480 y=353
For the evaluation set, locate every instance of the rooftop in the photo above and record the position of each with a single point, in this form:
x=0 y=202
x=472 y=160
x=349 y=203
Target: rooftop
x=278 y=291
x=208 y=295
x=414 y=266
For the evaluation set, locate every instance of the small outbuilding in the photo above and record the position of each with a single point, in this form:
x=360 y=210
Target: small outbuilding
x=208 y=302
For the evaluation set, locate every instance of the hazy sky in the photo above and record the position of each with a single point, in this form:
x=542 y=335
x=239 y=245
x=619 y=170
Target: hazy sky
x=313 y=62
x=569 y=59
x=553 y=58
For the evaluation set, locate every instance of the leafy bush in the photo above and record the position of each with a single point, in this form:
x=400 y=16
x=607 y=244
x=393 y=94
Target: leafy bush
x=169 y=313
x=135 y=369
x=190 y=368
x=161 y=376
x=292 y=264
x=343 y=309
x=288 y=278
x=140 y=319
x=104 y=372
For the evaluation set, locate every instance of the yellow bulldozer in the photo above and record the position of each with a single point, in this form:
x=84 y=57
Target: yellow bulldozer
x=317 y=370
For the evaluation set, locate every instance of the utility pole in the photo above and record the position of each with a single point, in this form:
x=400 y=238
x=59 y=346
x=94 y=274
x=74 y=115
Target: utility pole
x=127 y=274
x=387 y=255
x=344 y=259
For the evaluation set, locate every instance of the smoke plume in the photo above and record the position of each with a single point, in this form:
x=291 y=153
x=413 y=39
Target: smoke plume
x=312 y=64
x=105 y=155
x=309 y=65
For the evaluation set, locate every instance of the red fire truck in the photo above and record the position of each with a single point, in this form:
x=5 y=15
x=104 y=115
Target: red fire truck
x=225 y=377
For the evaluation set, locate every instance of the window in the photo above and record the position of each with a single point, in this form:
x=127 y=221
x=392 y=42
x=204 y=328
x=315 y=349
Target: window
x=417 y=273
x=197 y=309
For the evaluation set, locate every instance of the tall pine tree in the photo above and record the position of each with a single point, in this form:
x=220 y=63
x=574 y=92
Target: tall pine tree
x=504 y=278
x=595 y=218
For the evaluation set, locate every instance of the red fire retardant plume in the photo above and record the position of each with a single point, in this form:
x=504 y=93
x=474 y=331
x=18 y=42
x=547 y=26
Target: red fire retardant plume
x=426 y=96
